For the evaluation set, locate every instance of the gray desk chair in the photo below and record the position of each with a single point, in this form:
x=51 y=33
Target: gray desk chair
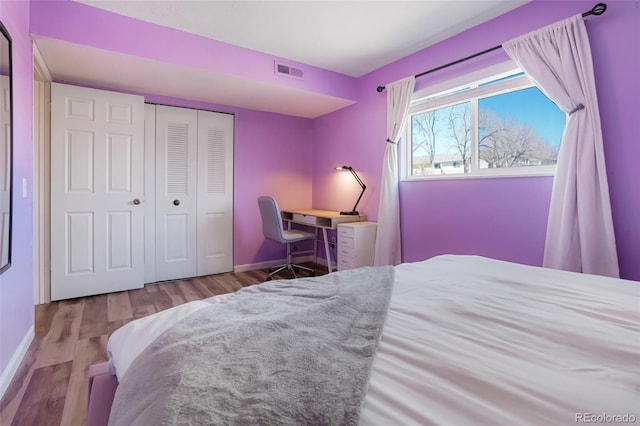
x=273 y=230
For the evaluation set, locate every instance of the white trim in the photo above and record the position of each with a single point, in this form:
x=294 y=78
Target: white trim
x=149 y=193
x=272 y=263
x=41 y=180
x=464 y=80
x=508 y=172
x=479 y=92
x=14 y=362
x=42 y=72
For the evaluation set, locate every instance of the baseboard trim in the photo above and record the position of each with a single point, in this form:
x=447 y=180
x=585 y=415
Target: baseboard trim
x=272 y=263
x=14 y=362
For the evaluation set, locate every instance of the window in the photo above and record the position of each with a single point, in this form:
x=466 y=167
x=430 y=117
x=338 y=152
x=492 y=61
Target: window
x=501 y=125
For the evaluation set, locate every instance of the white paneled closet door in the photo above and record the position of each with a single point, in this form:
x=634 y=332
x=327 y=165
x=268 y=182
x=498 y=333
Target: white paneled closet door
x=97 y=148
x=176 y=196
x=215 y=193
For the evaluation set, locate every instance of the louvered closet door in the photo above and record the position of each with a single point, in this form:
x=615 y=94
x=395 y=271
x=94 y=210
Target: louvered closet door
x=215 y=193
x=176 y=197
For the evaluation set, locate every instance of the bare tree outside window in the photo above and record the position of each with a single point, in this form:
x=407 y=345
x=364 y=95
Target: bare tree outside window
x=460 y=128
x=507 y=143
x=441 y=138
x=423 y=129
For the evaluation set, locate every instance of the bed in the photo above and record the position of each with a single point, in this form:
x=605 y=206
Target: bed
x=450 y=340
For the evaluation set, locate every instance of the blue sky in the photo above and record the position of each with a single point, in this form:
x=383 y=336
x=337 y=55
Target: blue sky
x=548 y=120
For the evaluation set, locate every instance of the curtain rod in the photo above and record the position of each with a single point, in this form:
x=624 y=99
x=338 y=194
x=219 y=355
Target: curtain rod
x=597 y=10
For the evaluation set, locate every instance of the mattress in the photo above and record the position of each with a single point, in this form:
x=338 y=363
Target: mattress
x=471 y=340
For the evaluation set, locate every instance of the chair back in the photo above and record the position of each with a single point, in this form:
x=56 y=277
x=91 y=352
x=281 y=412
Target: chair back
x=271 y=219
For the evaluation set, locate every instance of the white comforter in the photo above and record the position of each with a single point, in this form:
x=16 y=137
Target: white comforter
x=470 y=340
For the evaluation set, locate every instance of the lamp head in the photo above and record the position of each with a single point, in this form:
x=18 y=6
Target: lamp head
x=344 y=168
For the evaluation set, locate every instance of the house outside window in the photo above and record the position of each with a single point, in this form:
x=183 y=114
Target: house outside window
x=499 y=125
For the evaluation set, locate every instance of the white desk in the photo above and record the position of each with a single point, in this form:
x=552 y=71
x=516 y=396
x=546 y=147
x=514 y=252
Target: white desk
x=321 y=219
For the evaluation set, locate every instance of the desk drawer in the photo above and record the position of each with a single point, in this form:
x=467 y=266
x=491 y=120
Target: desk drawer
x=303 y=218
x=345 y=231
x=345 y=263
x=345 y=242
x=345 y=252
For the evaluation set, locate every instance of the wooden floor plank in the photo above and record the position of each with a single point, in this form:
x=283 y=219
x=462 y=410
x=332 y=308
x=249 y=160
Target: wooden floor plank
x=199 y=284
x=139 y=297
x=118 y=306
x=213 y=286
x=44 y=398
x=250 y=278
x=88 y=351
x=141 y=303
x=44 y=317
x=232 y=280
x=94 y=318
x=189 y=292
x=224 y=282
x=161 y=300
x=14 y=393
x=59 y=344
x=175 y=293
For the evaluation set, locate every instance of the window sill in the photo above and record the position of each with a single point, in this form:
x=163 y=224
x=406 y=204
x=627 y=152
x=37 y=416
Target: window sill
x=509 y=174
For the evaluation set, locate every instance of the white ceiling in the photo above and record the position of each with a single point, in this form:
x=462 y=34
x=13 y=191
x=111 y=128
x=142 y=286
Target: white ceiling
x=352 y=37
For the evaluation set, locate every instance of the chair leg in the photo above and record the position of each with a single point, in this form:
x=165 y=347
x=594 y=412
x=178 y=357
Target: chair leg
x=302 y=267
x=280 y=268
x=289 y=266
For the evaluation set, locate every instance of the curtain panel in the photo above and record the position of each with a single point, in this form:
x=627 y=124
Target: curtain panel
x=388 y=248
x=580 y=235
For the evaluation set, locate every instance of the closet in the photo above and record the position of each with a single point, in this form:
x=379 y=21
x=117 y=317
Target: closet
x=193 y=182
x=139 y=193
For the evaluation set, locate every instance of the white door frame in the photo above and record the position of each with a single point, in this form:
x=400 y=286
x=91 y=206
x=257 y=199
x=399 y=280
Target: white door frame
x=149 y=193
x=41 y=179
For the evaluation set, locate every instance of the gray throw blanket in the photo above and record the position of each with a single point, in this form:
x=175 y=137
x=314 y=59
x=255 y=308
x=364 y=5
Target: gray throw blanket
x=296 y=352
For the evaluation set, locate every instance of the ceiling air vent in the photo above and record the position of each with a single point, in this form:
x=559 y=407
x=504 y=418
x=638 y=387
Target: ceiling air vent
x=287 y=70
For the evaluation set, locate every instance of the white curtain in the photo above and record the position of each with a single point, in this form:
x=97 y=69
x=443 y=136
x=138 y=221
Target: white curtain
x=580 y=233
x=388 y=249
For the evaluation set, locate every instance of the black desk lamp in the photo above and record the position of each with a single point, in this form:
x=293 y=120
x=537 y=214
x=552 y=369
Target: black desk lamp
x=353 y=212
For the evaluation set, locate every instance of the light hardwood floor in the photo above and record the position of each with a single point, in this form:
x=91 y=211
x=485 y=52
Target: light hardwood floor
x=50 y=386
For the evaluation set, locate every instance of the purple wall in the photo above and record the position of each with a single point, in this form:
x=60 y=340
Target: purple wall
x=16 y=284
x=502 y=218
x=272 y=157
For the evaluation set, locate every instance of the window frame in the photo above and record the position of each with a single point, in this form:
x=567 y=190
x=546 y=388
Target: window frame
x=429 y=99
